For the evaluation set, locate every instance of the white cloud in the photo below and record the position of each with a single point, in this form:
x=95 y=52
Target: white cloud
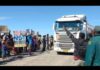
x=4 y=18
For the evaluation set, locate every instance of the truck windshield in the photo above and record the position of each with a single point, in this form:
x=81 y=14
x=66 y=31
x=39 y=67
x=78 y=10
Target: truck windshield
x=71 y=25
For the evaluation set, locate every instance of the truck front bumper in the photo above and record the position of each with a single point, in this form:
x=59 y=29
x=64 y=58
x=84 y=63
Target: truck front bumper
x=58 y=47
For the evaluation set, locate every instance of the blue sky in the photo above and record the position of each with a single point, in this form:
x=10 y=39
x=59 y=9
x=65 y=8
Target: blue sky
x=41 y=18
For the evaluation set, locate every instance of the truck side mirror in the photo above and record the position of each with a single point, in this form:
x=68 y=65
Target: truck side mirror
x=53 y=27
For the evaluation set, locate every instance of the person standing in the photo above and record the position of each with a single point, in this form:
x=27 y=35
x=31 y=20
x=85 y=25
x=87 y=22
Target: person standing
x=92 y=57
x=26 y=42
x=29 y=42
x=80 y=45
x=51 y=42
x=44 y=43
x=33 y=40
x=39 y=42
x=47 y=42
x=0 y=45
x=10 y=43
x=4 y=46
x=35 y=43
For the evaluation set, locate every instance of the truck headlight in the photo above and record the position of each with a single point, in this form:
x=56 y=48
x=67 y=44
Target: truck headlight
x=57 y=36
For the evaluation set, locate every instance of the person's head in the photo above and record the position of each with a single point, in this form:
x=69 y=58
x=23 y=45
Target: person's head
x=5 y=34
x=90 y=35
x=94 y=32
x=51 y=36
x=44 y=36
x=97 y=30
x=9 y=31
x=97 y=33
x=82 y=35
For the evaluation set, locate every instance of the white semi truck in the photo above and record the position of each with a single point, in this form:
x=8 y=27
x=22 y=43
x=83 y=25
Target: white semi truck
x=75 y=24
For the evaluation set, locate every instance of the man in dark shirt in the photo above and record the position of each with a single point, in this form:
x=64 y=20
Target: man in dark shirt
x=44 y=43
x=47 y=40
x=80 y=45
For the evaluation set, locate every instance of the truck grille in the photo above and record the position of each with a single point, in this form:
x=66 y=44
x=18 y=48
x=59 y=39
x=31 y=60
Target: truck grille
x=66 y=46
x=64 y=39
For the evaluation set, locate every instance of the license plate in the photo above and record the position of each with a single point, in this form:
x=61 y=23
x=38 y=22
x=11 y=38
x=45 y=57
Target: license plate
x=65 y=50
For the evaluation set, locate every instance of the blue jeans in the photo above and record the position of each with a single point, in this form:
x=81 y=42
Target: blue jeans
x=4 y=51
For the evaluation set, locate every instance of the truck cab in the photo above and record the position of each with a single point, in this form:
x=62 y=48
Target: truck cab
x=75 y=24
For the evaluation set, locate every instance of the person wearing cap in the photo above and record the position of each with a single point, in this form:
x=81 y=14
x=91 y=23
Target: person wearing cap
x=92 y=57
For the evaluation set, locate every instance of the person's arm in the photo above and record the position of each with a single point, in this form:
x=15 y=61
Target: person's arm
x=67 y=32
x=70 y=35
x=90 y=52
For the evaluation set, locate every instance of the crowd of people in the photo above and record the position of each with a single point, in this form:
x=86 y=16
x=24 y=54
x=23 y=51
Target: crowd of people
x=33 y=43
x=86 y=50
